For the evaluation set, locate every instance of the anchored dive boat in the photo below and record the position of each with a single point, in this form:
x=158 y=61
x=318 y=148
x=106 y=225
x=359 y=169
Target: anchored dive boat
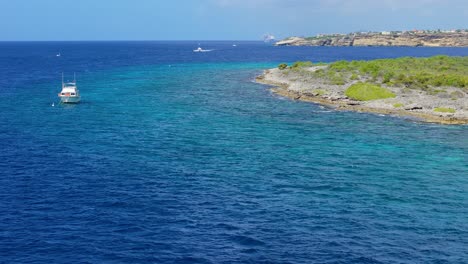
x=70 y=93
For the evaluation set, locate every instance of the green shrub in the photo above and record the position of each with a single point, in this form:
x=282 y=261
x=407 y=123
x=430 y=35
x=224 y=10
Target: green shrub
x=443 y=68
x=397 y=105
x=340 y=65
x=319 y=92
x=437 y=80
x=407 y=72
x=456 y=95
x=354 y=77
x=366 y=91
x=435 y=91
x=371 y=68
x=301 y=64
x=419 y=73
x=444 y=110
x=321 y=64
x=448 y=80
x=387 y=77
x=320 y=73
x=454 y=81
x=282 y=66
x=401 y=77
x=334 y=78
x=337 y=79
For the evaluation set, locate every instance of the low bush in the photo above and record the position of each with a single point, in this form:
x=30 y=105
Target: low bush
x=340 y=65
x=301 y=64
x=337 y=80
x=319 y=92
x=282 y=66
x=413 y=73
x=367 y=91
x=354 y=77
x=387 y=77
x=444 y=110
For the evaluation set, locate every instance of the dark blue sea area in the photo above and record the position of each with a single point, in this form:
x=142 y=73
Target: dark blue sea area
x=180 y=157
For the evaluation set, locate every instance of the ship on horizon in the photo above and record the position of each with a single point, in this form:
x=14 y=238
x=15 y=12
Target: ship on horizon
x=268 y=38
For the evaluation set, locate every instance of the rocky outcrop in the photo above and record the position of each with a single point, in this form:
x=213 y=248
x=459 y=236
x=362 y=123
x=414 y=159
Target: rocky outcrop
x=335 y=41
x=410 y=39
x=301 y=86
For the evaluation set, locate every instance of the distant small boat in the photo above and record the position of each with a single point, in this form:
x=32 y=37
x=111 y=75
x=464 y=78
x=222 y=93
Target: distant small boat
x=201 y=50
x=70 y=93
x=234 y=45
x=268 y=38
x=58 y=54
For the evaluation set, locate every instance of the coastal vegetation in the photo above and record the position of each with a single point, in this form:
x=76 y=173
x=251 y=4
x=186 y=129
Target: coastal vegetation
x=418 y=73
x=444 y=110
x=428 y=74
x=301 y=64
x=434 y=88
x=366 y=92
x=282 y=66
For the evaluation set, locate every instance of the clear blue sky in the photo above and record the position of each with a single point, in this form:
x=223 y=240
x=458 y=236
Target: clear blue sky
x=218 y=19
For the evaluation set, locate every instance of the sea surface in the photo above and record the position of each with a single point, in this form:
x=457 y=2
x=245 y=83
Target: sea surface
x=180 y=157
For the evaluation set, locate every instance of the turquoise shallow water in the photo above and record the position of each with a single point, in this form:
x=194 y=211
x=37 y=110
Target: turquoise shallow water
x=193 y=162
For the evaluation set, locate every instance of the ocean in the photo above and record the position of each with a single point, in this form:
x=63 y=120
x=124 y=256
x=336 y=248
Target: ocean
x=180 y=157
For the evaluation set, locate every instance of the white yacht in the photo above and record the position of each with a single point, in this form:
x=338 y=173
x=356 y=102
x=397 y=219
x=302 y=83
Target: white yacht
x=70 y=93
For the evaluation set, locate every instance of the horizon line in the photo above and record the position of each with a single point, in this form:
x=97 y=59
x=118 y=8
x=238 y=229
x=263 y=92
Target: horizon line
x=139 y=40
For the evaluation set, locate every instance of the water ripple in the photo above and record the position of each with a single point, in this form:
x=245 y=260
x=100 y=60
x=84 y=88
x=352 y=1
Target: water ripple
x=194 y=163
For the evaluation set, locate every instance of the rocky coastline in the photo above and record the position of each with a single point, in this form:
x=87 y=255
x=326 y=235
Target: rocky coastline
x=456 y=39
x=417 y=104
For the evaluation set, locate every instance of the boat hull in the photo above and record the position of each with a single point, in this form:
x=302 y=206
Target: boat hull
x=70 y=99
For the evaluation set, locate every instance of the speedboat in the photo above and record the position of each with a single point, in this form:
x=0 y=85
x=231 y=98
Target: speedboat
x=70 y=93
x=200 y=50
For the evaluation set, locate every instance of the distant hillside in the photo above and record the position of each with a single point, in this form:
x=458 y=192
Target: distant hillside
x=457 y=38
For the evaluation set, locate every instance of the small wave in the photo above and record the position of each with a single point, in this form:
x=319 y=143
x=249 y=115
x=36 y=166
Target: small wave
x=247 y=241
x=227 y=226
x=249 y=251
x=192 y=260
x=366 y=260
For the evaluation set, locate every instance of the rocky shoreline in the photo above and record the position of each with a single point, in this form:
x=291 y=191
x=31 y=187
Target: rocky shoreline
x=411 y=40
x=416 y=104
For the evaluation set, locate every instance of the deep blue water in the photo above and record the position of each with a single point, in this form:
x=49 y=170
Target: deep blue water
x=179 y=157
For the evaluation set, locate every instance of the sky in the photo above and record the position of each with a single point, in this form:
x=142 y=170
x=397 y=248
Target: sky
x=219 y=19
